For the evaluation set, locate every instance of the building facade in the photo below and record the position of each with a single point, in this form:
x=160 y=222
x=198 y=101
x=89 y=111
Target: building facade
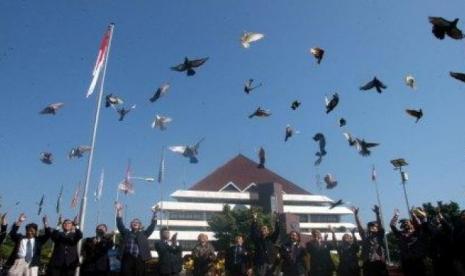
x=235 y=183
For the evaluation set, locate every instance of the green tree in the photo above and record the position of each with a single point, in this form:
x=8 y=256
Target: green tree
x=229 y=223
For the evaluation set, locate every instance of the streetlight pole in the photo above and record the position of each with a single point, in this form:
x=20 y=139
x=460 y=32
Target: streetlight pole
x=398 y=165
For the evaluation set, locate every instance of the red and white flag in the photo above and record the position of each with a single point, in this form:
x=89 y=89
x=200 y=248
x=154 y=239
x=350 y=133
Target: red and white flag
x=101 y=57
x=126 y=185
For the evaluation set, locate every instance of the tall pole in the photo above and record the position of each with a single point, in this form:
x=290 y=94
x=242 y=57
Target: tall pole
x=382 y=217
x=82 y=212
x=404 y=180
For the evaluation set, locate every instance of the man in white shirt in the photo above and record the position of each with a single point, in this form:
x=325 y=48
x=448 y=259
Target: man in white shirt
x=25 y=257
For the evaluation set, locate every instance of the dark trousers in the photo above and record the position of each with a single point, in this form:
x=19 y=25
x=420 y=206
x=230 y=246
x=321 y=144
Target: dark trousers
x=377 y=268
x=132 y=266
x=61 y=271
x=413 y=267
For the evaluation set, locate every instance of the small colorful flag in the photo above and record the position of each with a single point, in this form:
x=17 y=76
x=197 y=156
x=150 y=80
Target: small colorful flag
x=99 y=190
x=75 y=199
x=101 y=57
x=58 y=205
x=126 y=185
x=41 y=204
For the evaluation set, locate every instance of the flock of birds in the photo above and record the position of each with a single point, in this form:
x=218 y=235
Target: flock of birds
x=440 y=28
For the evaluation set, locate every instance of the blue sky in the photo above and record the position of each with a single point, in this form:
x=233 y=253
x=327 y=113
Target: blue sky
x=48 y=50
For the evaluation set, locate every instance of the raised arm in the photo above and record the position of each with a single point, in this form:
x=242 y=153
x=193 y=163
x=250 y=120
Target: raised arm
x=119 y=218
x=47 y=231
x=359 y=224
x=14 y=230
x=277 y=227
x=153 y=223
x=254 y=234
x=3 y=227
x=333 y=236
x=393 y=223
x=377 y=212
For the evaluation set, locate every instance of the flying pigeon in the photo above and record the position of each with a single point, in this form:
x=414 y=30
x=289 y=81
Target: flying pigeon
x=320 y=138
x=375 y=83
x=260 y=113
x=249 y=37
x=441 y=27
x=46 y=158
x=350 y=139
x=248 y=87
x=261 y=158
x=458 y=76
x=288 y=133
x=331 y=104
x=52 y=108
x=112 y=101
x=330 y=181
x=78 y=151
x=123 y=111
x=336 y=203
x=410 y=81
x=190 y=152
x=161 y=122
x=161 y=91
x=363 y=147
x=318 y=53
x=295 y=104
x=189 y=65
x=415 y=113
x=342 y=122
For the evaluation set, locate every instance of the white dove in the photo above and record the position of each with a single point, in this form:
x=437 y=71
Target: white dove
x=188 y=151
x=161 y=122
x=249 y=37
x=410 y=81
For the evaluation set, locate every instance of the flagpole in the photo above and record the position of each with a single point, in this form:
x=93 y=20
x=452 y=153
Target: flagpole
x=161 y=177
x=82 y=213
x=381 y=215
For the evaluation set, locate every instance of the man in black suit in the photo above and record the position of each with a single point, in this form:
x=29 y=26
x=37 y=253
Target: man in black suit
x=134 y=247
x=95 y=253
x=3 y=227
x=24 y=260
x=293 y=256
x=237 y=259
x=65 y=258
x=265 y=254
x=169 y=253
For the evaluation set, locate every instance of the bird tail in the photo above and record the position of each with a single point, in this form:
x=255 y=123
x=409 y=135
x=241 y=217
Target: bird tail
x=190 y=72
x=251 y=116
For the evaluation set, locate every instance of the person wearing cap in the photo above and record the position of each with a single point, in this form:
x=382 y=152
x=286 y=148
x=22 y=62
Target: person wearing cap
x=65 y=258
x=169 y=253
x=373 y=250
x=25 y=258
x=95 y=253
x=134 y=249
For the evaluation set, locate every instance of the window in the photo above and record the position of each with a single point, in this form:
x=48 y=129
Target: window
x=324 y=218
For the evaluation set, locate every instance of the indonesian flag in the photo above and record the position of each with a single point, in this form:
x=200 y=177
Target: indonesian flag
x=126 y=185
x=102 y=55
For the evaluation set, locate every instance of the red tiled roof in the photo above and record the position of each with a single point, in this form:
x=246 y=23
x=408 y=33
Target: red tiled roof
x=242 y=172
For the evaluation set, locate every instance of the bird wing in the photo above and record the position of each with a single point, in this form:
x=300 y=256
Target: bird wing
x=370 y=145
x=197 y=145
x=56 y=105
x=368 y=86
x=455 y=33
x=412 y=112
x=439 y=21
x=84 y=148
x=180 y=67
x=178 y=149
x=458 y=76
x=198 y=62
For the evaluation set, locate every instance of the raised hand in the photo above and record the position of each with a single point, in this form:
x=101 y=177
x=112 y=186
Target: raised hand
x=76 y=221
x=21 y=218
x=60 y=220
x=45 y=220
x=118 y=206
x=376 y=209
x=174 y=239
x=254 y=216
x=3 y=219
x=355 y=210
x=330 y=229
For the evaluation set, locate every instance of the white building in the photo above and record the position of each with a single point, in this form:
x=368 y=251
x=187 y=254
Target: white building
x=234 y=184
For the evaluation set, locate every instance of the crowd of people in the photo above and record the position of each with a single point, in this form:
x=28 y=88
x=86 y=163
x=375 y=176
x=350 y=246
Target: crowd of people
x=429 y=244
